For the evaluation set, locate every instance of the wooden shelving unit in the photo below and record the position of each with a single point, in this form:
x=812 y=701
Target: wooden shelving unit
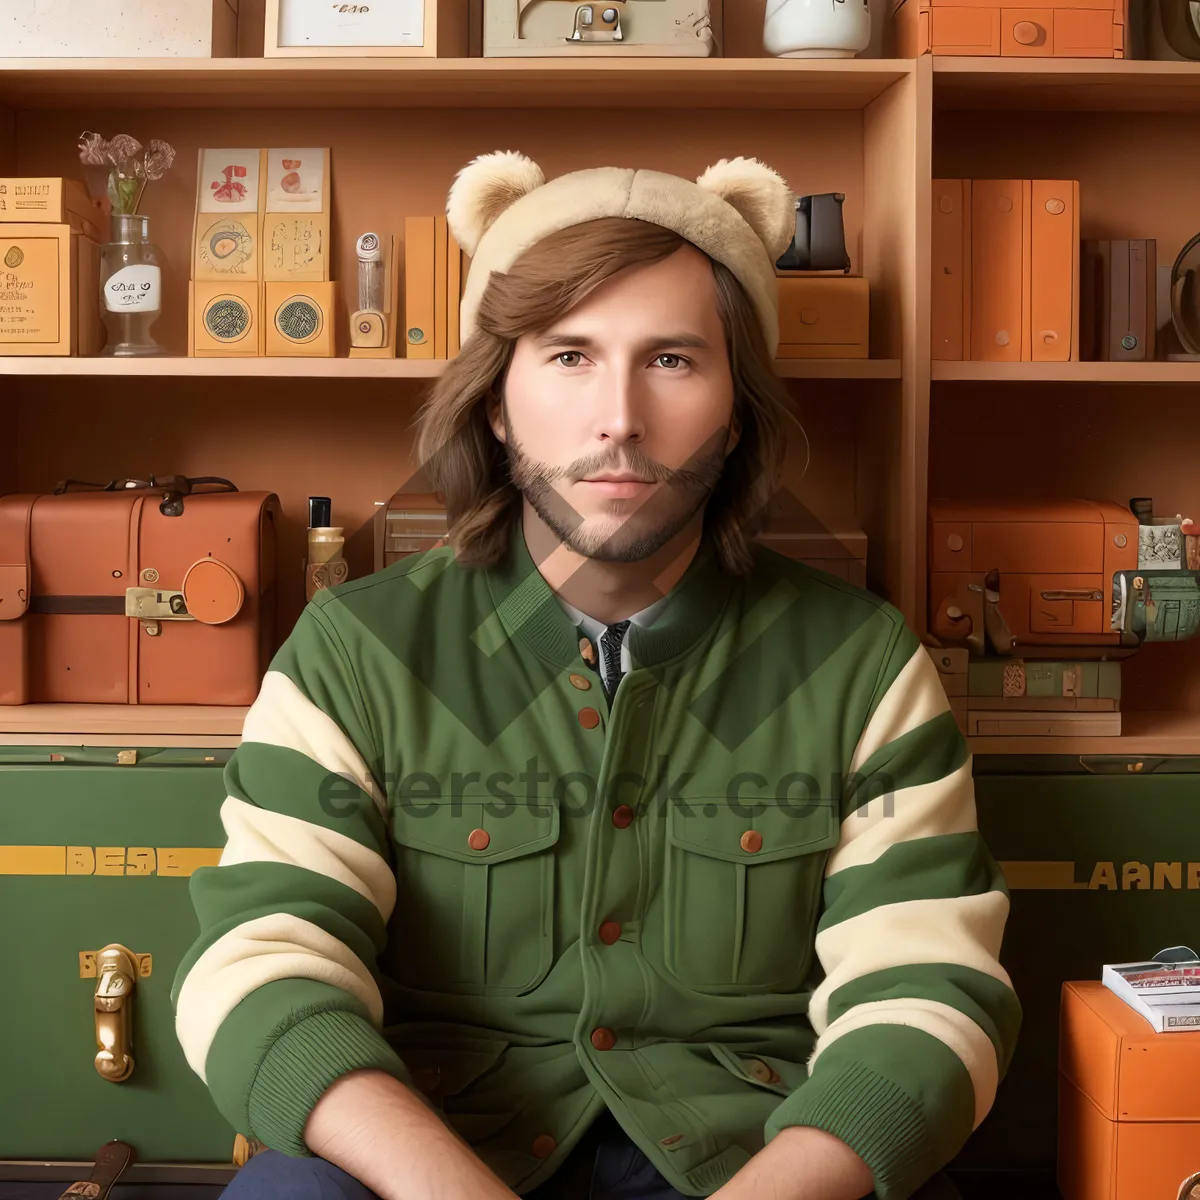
x=375 y=83
x=884 y=433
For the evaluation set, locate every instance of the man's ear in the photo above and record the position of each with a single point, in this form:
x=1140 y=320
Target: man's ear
x=735 y=432
x=494 y=408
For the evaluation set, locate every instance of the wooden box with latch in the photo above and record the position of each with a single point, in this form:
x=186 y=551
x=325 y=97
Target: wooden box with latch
x=612 y=28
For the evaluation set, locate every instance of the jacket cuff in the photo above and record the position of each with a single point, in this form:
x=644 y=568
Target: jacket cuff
x=302 y=1063
x=897 y=1096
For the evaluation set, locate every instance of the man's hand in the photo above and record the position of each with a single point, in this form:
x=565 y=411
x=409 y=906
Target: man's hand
x=390 y=1140
x=801 y=1163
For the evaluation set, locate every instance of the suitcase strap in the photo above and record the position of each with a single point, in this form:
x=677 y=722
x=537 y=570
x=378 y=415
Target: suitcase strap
x=16 y=517
x=111 y=1161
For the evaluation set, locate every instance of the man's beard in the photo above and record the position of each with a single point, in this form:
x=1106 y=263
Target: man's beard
x=635 y=528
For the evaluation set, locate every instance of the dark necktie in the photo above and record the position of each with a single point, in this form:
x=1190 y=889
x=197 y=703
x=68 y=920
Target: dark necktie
x=610 y=647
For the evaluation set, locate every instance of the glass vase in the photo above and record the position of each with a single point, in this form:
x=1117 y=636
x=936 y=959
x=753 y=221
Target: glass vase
x=130 y=287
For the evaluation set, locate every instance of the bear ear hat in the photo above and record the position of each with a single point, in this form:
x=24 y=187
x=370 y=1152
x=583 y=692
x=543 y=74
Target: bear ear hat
x=760 y=196
x=484 y=188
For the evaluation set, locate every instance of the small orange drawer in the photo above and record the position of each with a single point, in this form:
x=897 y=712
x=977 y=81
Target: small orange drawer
x=1086 y=33
x=823 y=316
x=965 y=30
x=1028 y=32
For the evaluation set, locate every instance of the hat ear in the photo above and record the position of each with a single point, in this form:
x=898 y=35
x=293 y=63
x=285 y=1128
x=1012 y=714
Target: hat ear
x=483 y=189
x=761 y=197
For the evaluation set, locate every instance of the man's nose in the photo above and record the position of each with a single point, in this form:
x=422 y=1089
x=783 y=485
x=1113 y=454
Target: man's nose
x=620 y=405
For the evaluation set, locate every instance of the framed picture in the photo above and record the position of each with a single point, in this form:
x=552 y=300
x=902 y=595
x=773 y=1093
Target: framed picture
x=229 y=181
x=362 y=28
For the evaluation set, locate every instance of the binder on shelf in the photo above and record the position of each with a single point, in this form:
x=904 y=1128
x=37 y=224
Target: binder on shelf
x=419 y=307
x=441 y=268
x=454 y=286
x=1005 y=262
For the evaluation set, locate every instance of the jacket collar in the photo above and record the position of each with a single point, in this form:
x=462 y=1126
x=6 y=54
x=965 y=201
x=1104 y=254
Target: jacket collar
x=531 y=611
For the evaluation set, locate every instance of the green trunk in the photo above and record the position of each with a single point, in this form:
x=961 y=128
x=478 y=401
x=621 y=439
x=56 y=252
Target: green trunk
x=1097 y=859
x=93 y=853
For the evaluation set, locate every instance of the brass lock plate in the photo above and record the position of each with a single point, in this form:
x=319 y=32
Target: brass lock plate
x=156 y=604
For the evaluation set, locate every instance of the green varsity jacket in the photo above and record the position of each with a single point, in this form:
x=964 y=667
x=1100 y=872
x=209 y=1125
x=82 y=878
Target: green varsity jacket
x=750 y=894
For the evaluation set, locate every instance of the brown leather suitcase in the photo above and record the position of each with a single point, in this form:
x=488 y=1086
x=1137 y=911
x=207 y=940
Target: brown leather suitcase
x=137 y=592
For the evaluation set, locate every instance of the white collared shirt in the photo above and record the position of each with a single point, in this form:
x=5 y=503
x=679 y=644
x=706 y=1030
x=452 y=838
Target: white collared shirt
x=596 y=629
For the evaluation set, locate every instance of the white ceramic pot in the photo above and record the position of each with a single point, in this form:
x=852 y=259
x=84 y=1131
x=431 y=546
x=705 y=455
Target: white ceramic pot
x=816 y=28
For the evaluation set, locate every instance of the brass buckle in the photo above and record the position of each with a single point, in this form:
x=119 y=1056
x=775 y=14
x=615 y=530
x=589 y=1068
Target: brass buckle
x=156 y=604
x=597 y=22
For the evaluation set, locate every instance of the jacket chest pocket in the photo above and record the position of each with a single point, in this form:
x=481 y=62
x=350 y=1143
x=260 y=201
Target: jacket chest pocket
x=475 y=896
x=742 y=892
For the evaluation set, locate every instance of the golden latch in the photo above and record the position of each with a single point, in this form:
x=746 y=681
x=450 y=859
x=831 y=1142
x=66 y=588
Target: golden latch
x=116 y=974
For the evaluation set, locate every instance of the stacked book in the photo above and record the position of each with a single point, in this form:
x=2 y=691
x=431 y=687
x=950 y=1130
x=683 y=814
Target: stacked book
x=434 y=274
x=998 y=697
x=1166 y=993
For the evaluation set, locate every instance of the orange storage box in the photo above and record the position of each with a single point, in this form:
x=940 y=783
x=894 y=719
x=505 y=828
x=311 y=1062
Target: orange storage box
x=1055 y=560
x=1128 y=1107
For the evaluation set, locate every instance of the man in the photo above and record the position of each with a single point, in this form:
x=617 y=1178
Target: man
x=603 y=853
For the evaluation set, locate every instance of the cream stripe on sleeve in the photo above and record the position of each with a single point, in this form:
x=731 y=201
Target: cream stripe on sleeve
x=282 y=715
x=952 y=1028
x=945 y=805
x=915 y=696
x=261 y=835
x=963 y=930
x=258 y=952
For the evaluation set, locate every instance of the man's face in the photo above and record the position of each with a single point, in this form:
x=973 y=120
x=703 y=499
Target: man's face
x=633 y=382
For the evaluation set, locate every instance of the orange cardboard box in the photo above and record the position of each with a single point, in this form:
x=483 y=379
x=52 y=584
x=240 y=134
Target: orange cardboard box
x=1129 y=1109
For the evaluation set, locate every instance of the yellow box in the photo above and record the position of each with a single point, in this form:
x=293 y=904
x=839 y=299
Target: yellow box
x=300 y=319
x=49 y=291
x=225 y=319
x=53 y=200
x=823 y=316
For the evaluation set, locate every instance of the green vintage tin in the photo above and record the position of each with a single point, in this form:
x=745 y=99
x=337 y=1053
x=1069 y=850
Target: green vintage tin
x=96 y=847
x=1102 y=858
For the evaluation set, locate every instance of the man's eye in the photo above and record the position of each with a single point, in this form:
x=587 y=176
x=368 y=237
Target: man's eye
x=675 y=361
x=558 y=358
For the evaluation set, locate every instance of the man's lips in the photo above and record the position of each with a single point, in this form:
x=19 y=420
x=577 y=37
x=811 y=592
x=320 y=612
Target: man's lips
x=617 y=486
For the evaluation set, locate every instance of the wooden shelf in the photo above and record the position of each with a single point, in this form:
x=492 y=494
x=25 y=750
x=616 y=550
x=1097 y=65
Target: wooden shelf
x=1149 y=733
x=447 y=83
x=1080 y=84
x=370 y=368
x=120 y=725
x=1067 y=372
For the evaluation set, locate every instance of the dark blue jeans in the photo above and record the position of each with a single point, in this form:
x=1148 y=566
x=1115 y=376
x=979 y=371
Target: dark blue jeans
x=605 y=1165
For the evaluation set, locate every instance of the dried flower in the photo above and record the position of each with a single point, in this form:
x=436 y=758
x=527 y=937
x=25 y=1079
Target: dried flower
x=159 y=159
x=92 y=150
x=120 y=168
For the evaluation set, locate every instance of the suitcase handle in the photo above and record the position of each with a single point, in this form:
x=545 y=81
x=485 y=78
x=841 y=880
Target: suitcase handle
x=173 y=488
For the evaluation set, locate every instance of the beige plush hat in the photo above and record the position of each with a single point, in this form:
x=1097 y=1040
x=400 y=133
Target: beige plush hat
x=739 y=212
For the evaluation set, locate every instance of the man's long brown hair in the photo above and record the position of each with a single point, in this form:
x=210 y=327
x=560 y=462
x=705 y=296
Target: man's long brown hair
x=462 y=458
